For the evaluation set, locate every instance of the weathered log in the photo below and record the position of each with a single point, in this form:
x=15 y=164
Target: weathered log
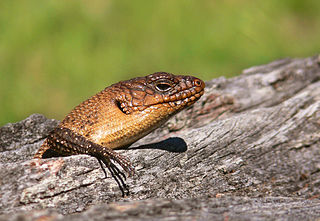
x=248 y=150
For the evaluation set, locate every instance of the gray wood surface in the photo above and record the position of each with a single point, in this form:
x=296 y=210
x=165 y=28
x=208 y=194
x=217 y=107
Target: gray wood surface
x=248 y=150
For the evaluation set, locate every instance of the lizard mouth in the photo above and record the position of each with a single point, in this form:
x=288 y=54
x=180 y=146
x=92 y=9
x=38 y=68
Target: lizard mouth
x=188 y=100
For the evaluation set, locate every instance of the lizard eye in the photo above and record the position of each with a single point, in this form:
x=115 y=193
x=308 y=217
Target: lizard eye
x=163 y=86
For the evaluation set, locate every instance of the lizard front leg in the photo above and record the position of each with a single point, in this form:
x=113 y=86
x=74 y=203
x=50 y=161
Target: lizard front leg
x=65 y=142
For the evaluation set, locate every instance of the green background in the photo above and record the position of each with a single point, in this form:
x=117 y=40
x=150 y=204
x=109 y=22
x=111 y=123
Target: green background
x=54 y=54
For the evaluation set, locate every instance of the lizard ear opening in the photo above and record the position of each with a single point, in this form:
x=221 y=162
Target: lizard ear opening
x=121 y=107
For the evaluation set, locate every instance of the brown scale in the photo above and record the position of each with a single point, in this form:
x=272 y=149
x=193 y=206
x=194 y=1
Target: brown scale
x=120 y=115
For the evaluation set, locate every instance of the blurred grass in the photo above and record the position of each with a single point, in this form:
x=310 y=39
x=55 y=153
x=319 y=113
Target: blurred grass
x=54 y=54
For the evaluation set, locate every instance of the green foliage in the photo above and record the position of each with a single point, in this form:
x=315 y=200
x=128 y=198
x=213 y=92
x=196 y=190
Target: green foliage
x=54 y=54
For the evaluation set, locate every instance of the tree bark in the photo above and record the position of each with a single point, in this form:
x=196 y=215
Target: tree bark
x=249 y=149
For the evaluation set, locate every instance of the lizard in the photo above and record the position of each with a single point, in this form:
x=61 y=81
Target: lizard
x=118 y=116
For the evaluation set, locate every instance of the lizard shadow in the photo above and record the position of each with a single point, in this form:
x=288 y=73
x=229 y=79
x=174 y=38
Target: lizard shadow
x=172 y=144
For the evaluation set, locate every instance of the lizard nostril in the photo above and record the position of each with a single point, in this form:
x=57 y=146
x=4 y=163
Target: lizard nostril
x=197 y=82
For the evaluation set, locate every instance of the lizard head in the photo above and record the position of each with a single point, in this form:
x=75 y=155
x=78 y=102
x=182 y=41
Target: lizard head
x=157 y=91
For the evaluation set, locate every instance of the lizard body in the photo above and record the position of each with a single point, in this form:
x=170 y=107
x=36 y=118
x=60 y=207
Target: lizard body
x=120 y=115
